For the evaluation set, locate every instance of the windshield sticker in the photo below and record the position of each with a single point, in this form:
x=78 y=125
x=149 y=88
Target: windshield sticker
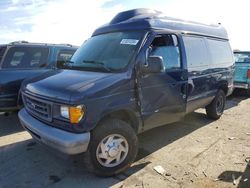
x=129 y=41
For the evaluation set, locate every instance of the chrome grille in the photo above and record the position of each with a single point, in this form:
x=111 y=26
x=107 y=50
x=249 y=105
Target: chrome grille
x=37 y=107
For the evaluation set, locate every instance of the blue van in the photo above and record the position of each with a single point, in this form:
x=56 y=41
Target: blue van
x=242 y=70
x=140 y=71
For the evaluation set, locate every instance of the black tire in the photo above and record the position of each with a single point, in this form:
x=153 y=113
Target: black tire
x=248 y=92
x=216 y=108
x=103 y=130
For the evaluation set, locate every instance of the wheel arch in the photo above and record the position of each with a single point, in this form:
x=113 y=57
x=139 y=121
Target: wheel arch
x=126 y=115
x=223 y=86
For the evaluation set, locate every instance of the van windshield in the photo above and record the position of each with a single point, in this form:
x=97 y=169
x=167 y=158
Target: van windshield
x=110 y=52
x=242 y=57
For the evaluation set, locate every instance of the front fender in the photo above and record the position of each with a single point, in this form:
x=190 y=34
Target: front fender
x=97 y=109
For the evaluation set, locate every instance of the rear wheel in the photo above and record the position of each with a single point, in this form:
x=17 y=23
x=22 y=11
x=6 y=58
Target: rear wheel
x=248 y=92
x=112 y=149
x=216 y=108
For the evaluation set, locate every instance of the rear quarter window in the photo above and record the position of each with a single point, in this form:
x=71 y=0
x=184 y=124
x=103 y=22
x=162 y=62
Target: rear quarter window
x=196 y=52
x=220 y=52
x=26 y=58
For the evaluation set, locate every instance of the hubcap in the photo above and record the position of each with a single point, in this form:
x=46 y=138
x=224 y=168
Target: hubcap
x=112 y=150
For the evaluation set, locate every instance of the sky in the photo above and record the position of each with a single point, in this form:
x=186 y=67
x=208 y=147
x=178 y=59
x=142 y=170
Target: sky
x=73 y=21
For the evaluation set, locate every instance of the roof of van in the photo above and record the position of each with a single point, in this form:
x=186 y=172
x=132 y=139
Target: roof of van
x=139 y=19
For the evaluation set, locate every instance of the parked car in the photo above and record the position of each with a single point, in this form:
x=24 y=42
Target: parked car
x=242 y=70
x=138 y=72
x=21 y=60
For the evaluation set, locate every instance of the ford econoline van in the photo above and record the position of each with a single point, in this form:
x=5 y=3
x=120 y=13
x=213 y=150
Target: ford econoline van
x=140 y=71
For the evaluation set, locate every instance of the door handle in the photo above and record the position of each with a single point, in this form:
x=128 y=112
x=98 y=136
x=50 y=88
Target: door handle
x=190 y=88
x=184 y=89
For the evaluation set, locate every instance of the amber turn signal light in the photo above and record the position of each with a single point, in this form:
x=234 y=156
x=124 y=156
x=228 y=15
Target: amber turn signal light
x=76 y=114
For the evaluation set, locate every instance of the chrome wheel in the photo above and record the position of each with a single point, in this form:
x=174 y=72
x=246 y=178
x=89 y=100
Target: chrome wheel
x=112 y=150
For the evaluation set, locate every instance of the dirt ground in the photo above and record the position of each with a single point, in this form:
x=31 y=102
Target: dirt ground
x=195 y=152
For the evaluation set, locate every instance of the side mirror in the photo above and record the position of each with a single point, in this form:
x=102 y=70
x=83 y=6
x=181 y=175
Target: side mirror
x=43 y=65
x=154 y=65
x=60 y=64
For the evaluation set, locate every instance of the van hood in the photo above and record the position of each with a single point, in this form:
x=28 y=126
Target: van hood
x=59 y=85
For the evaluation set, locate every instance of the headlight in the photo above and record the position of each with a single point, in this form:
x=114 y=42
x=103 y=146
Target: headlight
x=74 y=113
x=65 y=112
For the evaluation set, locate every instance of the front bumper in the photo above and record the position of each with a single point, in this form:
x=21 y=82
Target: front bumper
x=230 y=90
x=241 y=85
x=66 y=142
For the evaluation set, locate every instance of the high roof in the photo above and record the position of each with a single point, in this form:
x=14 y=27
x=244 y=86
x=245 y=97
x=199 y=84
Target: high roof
x=138 y=19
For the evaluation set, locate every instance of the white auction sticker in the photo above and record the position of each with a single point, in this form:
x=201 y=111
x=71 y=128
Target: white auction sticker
x=129 y=41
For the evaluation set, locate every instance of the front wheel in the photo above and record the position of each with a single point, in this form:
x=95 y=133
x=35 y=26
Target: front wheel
x=112 y=149
x=216 y=108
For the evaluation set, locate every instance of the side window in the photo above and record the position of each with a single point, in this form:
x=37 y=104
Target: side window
x=25 y=57
x=2 y=50
x=196 y=52
x=35 y=60
x=220 y=51
x=65 y=55
x=166 y=46
x=242 y=57
x=16 y=59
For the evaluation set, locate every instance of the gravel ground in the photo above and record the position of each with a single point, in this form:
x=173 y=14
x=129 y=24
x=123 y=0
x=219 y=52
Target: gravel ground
x=195 y=152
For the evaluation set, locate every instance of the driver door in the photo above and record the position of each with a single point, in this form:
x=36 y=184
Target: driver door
x=163 y=95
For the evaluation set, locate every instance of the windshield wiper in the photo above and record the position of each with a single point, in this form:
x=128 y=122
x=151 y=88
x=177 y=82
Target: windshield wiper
x=97 y=63
x=68 y=64
x=93 y=62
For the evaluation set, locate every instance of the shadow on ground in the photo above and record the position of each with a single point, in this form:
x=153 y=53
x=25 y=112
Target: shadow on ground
x=242 y=177
x=32 y=165
x=157 y=138
x=9 y=124
x=235 y=99
x=27 y=164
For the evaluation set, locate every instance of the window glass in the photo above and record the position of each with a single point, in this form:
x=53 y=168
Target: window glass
x=36 y=59
x=166 y=46
x=242 y=57
x=2 y=50
x=220 y=51
x=65 y=55
x=16 y=59
x=26 y=57
x=196 y=52
x=109 y=52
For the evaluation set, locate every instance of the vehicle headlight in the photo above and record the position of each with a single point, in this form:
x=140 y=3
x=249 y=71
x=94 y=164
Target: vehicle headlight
x=73 y=113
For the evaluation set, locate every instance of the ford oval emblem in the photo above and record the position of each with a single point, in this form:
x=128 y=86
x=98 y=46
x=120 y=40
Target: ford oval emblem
x=33 y=105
